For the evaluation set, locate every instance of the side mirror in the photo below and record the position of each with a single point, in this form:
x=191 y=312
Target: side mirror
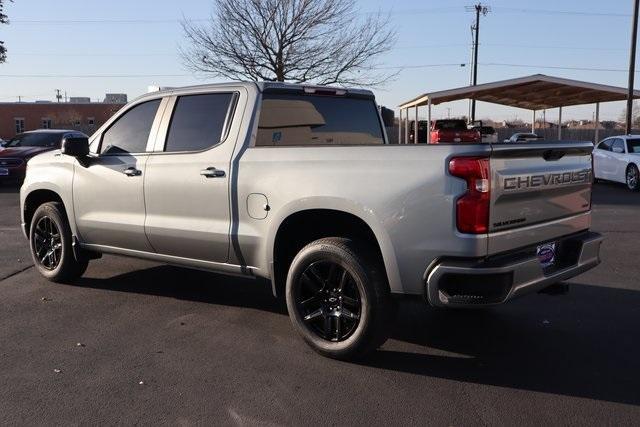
x=75 y=146
x=618 y=150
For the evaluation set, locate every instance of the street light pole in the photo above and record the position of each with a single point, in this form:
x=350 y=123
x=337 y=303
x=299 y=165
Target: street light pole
x=475 y=60
x=632 y=65
x=479 y=9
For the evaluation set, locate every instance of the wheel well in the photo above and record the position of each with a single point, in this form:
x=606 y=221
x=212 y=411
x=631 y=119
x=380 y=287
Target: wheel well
x=304 y=227
x=34 y=200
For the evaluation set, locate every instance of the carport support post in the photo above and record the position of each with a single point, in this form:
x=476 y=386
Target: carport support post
x=415 y=128
x=400 y=127
x=406 y=126
x=559 y=123
x=533 y=121
x=428 y=120
x=597 y=133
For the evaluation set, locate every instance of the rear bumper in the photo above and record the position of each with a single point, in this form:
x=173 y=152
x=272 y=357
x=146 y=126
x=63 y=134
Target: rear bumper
x=498 y=279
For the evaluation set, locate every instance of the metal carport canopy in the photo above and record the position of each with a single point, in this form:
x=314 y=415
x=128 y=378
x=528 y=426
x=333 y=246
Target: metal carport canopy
x=536 y=92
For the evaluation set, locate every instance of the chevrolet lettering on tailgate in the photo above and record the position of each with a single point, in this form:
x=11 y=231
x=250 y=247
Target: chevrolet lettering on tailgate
x=546 y=180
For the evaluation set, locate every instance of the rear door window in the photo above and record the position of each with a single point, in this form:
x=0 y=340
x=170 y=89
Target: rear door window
x=316 y=120
x=198 y=122
x=633 y=145
x=129 y=134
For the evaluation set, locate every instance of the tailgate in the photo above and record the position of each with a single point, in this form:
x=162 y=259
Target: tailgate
x=538 y=184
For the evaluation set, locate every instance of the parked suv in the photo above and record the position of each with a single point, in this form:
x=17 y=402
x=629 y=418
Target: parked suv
x=19 y=149
x=297 y=184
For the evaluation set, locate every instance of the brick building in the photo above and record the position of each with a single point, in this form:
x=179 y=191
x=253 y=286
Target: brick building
x=16 y=117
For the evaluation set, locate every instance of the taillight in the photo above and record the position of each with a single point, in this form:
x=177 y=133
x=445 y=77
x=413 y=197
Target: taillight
x=435 y=136
x=472 y=208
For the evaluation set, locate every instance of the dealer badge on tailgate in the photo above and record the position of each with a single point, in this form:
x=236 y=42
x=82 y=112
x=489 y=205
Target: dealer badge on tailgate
x=546 y=254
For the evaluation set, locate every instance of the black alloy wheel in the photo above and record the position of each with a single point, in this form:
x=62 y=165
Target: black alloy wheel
x=328 y=301
x=633 y=178
x=51 y=244
x=338 y=297
x=47 y=243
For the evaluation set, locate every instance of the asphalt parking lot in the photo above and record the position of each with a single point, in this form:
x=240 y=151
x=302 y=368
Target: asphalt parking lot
x=136 y=342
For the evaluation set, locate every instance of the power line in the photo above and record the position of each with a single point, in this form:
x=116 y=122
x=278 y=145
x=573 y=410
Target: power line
x=102 y=21
x=96 y=55
x=426 y=46
x=436 y=10
x=554 y=67
x=399 y=67
x=519 y=10
x=73 y=76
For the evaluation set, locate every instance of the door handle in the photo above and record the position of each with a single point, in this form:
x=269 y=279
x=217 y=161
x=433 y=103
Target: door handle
x=131 y=171
x=212 y=172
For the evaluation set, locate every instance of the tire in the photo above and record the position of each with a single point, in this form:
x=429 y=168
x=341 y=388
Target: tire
x=51 y=247
x=338 y=298
x=632 y=177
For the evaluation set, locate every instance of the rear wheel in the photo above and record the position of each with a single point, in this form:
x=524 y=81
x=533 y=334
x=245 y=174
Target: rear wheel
x=338 y=299
x=51 y=244
x=633 y=178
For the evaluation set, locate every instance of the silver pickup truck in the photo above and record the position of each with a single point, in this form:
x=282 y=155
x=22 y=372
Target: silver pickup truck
x=297 y=184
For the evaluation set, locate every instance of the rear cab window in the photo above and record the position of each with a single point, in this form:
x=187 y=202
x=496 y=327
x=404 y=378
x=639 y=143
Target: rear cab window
x=317 y=120
x=198 y=121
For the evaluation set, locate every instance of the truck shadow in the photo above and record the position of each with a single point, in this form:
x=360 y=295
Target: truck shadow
x=612 y=193
x=584 y=344
x=192 y=285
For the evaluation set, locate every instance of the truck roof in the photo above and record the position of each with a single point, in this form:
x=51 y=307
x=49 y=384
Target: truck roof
x=261 y=86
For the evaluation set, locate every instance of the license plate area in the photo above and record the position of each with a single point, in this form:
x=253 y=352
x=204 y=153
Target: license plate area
x=4 y=172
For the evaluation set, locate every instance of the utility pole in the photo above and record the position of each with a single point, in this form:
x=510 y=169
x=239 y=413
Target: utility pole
x=632 y=65
x=58 y=96
x=479 y=9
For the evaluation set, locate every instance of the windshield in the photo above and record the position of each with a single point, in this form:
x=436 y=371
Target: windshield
x=633 y=146
x=35 y=140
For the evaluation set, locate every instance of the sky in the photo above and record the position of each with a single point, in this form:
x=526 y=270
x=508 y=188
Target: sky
x=87 y=47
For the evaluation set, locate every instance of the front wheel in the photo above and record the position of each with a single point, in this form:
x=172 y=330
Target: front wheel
x=633 y=178
x=338 y=298
x=51 y=244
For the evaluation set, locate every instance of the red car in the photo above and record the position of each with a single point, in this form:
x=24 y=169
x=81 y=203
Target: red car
x=445 y=130
x=452 y=130
x=19 y=149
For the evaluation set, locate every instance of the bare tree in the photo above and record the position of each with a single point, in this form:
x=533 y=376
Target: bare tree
x=3 y=20
x=318 y=41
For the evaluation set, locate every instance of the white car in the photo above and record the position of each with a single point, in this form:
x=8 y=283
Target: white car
x=617 y=159
x=488 y=133
x=523 y=137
